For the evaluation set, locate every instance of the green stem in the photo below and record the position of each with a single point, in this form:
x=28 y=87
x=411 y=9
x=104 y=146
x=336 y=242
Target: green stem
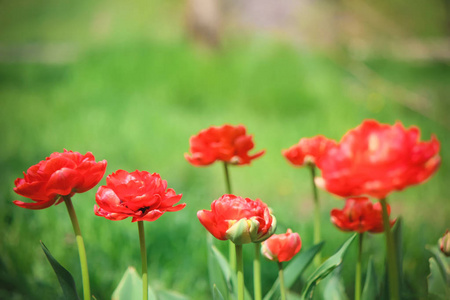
x=358 y=268
x=317 y=258
x=391 y=254
x=144 y=260
x=240 y=271
x=81 y=248
x=281 y=278
x=227 y=177
x=257 y=272
x=231 y=252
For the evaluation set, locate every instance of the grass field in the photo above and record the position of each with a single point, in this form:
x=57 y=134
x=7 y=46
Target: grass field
x=135 y=96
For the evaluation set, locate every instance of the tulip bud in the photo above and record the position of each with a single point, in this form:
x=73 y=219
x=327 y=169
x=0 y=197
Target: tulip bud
x=282 y=247
x=445 y=243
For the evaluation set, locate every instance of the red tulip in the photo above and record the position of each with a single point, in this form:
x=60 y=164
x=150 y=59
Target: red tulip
x=139 y=194
x=308 y=150
x=282 y=247
x=359 y=215
x=375 y=159
x=238 y=219
x=61 y=174
x=226 y=143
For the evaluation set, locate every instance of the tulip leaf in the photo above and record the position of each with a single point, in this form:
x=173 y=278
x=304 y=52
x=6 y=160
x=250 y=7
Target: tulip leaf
x=370 y=290
x=229 y=275
x=334 y=288
x=65 y=279
x=442 y=261
x=217 y=295
x=437 y=286
x=295 y=268
x=216 y=275
x=326 y=268
x=130 y=287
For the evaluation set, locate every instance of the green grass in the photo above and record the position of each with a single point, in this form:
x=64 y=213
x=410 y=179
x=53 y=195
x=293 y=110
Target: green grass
x=135 y=101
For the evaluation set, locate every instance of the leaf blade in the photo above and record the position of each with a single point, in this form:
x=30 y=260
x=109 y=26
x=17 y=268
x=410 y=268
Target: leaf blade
x=326 y=268
x=65 y=279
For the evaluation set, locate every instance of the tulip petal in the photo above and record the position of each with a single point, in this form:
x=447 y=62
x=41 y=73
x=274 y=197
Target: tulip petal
x=37 y=205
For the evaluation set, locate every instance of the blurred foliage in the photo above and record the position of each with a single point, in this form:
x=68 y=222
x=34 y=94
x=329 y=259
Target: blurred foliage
x=121 y=79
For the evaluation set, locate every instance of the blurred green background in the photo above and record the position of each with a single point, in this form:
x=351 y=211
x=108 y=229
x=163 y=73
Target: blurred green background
x=131 y=81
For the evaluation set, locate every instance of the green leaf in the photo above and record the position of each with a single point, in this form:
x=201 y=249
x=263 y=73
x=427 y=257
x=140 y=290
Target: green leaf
x=370 y=290
x=216 y=275
x=64 y=277
x=229 y=275
x=437 y=286
x=130 y=287
x=295 y=268
x=334 y=288
x=326 y=268
x=217 y=295
x=442 y=260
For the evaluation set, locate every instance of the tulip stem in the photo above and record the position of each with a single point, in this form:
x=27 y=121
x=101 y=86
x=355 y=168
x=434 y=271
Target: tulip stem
x=281 y=279
x=257 y=272
x=391 y=254
x=240 y=272
x=318 y=257
x=358 y=268
x=227 y=177
x=144 y=260
x=81 y=248
x=231 y=252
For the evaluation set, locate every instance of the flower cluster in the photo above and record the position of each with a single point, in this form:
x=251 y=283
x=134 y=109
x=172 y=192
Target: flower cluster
x=372 y=160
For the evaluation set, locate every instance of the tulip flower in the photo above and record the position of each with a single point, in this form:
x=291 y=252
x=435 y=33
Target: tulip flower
x=225 y=143
x=141 y=196
x=61 y=174
x=445 y=243
x=57 y=179
x=238 y=219
x=375 y=159
x=280 y=248
x=309 y=152
x=359 y=215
